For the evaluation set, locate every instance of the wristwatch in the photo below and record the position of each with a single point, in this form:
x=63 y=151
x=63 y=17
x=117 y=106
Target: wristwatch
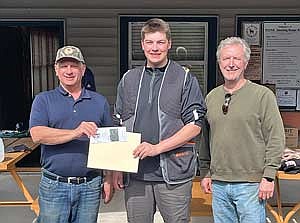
x=269 y=179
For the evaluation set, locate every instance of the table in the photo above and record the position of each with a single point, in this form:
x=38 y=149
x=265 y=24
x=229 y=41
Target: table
x=278 y=214
x=201 y=202
x=9 y=165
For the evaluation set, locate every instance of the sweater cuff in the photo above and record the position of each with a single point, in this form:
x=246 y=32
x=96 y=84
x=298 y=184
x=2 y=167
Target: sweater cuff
x=270 y=172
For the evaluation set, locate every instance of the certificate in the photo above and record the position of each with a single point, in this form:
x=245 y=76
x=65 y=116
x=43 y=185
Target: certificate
x=115 y=155
x=286 y=97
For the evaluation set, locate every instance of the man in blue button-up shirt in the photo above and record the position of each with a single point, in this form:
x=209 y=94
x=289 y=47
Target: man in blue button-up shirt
x=62 y=120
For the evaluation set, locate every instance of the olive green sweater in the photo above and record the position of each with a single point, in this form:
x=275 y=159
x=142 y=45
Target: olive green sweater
x=245 y=144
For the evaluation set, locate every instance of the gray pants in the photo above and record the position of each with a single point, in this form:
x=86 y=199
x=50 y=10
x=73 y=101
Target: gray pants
x=173 y=201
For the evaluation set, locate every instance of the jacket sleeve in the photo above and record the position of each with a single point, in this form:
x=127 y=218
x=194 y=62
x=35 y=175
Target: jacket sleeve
x=118 y=107
x=193 y=107
x=204 y=151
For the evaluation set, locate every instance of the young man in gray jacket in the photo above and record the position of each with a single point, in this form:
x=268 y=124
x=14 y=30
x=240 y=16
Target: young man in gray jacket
x=163 y=102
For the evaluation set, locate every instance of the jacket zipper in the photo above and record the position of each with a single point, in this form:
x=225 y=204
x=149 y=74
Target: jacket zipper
x=151 y=88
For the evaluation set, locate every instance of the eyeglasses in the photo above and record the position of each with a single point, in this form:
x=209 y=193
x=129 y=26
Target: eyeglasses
x=226 y=103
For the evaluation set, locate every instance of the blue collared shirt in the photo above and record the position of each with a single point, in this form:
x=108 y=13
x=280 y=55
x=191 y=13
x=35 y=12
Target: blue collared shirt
x=57 y=109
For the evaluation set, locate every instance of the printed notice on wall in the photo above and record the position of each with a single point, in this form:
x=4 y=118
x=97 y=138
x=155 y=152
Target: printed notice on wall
x=298 y=100
x=281 y=57
x=286 y=97
x=251 y=33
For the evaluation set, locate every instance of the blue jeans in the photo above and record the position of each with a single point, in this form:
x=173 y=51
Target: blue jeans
x=237 y=203
x=63 y=202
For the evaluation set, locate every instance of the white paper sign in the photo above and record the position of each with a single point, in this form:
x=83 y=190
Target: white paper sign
x=109 y=134
x=286 y=97
x=281 y=57
x=115 y=155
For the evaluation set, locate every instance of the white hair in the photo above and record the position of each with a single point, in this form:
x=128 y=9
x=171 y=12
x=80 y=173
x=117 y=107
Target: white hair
x=232 y=41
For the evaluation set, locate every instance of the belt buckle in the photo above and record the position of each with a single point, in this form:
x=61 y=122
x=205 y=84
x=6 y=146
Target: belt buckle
x=72 y=178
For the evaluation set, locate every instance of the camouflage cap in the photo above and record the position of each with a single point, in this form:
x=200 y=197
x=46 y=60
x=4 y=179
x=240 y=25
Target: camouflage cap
x=69 y=52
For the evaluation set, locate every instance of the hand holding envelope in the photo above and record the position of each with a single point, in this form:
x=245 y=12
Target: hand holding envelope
x=110 y=150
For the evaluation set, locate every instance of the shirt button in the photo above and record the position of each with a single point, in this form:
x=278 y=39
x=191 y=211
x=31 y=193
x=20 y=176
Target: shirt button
x=74 y=111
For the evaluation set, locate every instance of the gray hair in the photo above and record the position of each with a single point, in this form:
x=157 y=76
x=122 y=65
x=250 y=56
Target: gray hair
x=233 y=41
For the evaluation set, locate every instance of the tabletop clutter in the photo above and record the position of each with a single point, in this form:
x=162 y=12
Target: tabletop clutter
x=290 y=162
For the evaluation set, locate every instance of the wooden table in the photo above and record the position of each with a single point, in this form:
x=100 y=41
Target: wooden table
x=201 y=202
x=278 y=214
x=9 y=165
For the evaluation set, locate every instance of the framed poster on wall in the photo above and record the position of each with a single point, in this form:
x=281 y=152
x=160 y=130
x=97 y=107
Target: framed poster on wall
x=275 y=58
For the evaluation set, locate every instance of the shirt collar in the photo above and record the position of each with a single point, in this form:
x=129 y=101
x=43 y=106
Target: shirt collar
x=161 y=69
x=84 y=93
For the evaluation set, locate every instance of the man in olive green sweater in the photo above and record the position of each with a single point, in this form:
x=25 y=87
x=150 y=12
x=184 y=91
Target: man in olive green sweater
x=246 y=140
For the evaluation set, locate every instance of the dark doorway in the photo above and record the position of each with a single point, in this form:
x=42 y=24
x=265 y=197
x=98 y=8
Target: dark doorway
x=15 y=86
x=16 y=78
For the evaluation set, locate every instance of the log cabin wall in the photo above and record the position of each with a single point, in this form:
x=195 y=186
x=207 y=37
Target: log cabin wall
x=93 y=25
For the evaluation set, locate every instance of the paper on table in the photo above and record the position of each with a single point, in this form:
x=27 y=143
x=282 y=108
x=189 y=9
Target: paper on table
x=115 y=155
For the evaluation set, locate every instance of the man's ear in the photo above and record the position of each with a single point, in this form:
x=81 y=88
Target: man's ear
x=55 y=68
x=142 y=44
x=246 y=65
x=170 y=44
x=83 y=69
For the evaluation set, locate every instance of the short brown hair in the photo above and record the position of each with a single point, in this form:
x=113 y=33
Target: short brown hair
x=156 y=25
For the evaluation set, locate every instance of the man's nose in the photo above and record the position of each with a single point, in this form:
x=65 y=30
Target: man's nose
x=231 y=62
x=231 y=66
x=69 y=70
x=154 y=47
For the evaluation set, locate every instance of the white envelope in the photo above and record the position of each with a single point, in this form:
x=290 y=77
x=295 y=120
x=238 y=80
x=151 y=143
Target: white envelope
x=115 y=155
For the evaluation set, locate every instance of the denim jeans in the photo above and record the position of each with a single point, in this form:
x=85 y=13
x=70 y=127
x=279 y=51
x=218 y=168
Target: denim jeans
x=63 y=202
x=237 y=203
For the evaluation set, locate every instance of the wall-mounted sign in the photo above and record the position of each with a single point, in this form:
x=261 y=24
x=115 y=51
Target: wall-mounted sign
x=281 y=57
x=251 y=33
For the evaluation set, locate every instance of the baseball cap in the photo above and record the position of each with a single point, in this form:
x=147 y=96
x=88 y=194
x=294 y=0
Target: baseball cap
x=69 y=52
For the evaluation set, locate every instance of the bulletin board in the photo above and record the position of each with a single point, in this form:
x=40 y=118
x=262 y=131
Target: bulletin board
x=275 y=57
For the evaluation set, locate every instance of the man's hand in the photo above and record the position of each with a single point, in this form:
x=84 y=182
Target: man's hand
x=206 y=185
x=266 y=189
x=145 y=149
x=118 y=180
x=86 y=128
x=108 y=190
